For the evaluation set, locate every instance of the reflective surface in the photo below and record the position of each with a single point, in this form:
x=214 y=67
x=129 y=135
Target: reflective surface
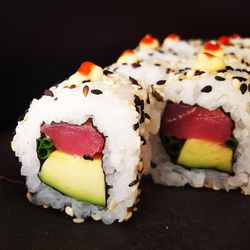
x=167 y=218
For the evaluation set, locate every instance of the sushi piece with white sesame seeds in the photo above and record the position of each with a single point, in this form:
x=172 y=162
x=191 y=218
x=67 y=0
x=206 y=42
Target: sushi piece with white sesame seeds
x=80 y=145
x=204 y=136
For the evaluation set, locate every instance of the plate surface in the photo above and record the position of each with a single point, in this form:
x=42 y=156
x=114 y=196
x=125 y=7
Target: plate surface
x=167 y=218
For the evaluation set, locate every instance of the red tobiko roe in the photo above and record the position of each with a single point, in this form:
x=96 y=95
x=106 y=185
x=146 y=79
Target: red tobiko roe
x=86 y=67
x=75 y=139
x=235 y=35
x=224 y=40
x=211 y=46
x=186 y=122
x=148 y=39
x=173 y=36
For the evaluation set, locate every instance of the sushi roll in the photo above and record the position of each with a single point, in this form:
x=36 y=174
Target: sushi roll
x=152 y=64
x=236 y=51
x=80 y=145
x=204 y=137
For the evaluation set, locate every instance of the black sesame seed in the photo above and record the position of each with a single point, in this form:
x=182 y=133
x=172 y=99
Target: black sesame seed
x=133 y=81
x=137 y=100
x=157 y=64
x=137 y=109
x=85 y=81
x=168 y=70
x=136 y=65
x=161 y=82
x=142 y=104
x=147 y=116
x=207 y=89
x=198 y=72
x=107 y=72
x=56 y=98
x=96 y=91
x=153 y=165
x=134 y=182
x=229 y=68
x=157 y=96
x=88 y=157
x=48 y=92
x=148 y=100
x=160 y=51
x=222 y=71
x=243 y=88
x=241 y=79
x=124 y=64
x=142 y=119
x=136 y=126
x=150 y=54
x=219 y=78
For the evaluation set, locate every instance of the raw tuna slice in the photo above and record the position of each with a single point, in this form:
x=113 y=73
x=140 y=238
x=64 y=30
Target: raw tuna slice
x=185 y=121
x=75 y=139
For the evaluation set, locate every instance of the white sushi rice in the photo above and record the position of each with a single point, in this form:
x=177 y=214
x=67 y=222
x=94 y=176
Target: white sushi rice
x=232 y=101
x=113 y=113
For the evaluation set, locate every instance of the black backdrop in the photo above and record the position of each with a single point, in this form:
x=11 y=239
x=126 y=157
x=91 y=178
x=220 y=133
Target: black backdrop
x=41 y=44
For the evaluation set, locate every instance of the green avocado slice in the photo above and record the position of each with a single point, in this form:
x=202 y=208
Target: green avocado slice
x=76 y=177
x=205 y=154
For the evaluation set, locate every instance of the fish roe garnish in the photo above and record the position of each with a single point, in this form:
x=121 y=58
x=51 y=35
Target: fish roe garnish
x=211 y=46
x=86 y=68
x=147 y=39
x=235 y=35
x=224 y=40
x=173 y=36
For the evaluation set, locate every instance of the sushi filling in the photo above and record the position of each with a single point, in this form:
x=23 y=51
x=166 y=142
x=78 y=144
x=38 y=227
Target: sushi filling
x=71 y=161
x=194 y=137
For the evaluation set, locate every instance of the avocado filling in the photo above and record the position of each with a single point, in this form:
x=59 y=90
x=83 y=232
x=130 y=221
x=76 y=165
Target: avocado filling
x=71 y=161
x=194 y=137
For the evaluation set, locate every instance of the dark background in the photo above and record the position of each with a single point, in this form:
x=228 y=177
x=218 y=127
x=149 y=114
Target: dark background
x=42 y=44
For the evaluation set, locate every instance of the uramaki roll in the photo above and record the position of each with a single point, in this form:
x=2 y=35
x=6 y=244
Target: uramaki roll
x=80 y=144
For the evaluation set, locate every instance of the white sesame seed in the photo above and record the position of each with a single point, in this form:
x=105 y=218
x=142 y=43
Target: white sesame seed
x=29 y=196
x=96 y=217
x=78 y=220
x=128 y=216
x=69 y=211
x=13 y=146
